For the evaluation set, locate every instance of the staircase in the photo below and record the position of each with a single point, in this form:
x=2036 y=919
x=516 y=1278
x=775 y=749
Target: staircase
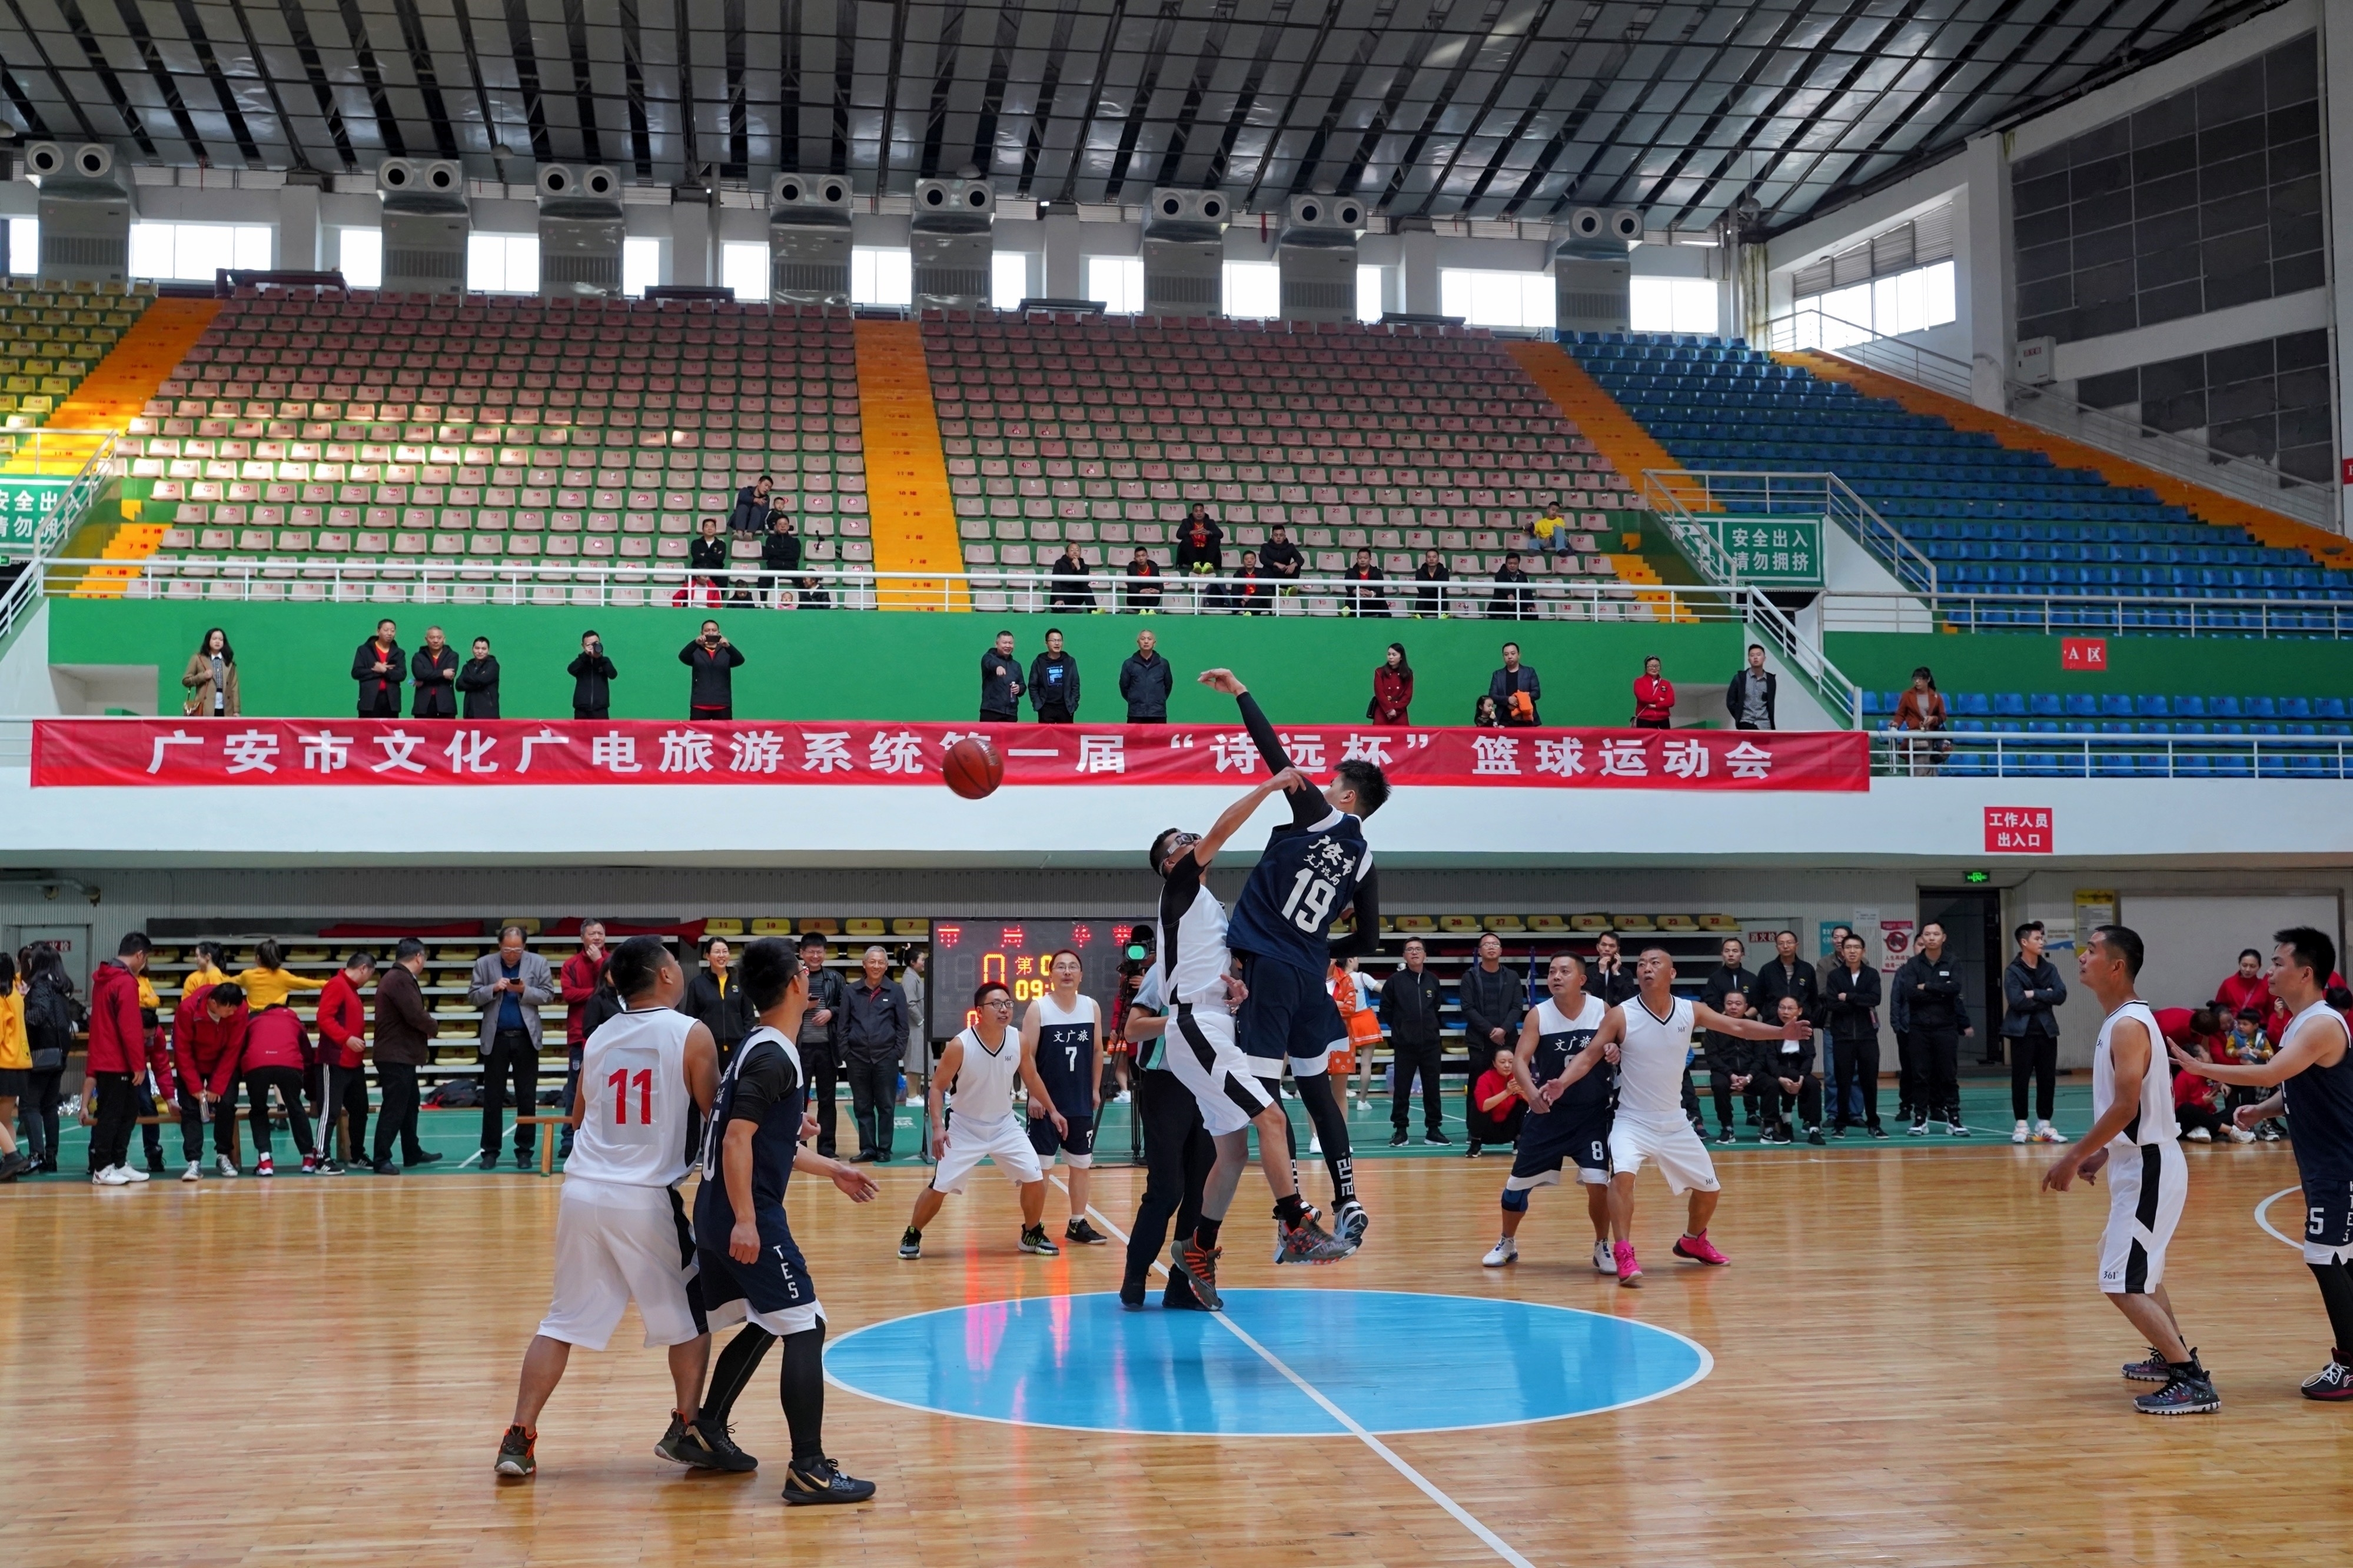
x=911 y=513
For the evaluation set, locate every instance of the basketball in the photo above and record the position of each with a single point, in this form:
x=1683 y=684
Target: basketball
x=972 y=768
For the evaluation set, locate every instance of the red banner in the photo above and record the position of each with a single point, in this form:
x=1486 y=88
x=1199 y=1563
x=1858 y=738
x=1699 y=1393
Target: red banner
x=177 y=753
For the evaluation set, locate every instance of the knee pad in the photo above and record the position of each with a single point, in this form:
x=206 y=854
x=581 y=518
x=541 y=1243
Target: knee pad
x=1516 y=1201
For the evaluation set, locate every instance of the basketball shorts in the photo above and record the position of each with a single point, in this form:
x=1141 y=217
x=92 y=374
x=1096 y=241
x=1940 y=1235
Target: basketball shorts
x=1005 y=1141
x=2146 y=1189
x=1077 y=1146
x=1200 y=1050
x=1565 y=1135
x=2327 y=1220
x=615 y=1244
x=773 y=1291
x=1669 y=1143
x=1288 y=1017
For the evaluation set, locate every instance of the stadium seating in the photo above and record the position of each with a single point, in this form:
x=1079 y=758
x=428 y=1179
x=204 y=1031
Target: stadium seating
x=52 y=335
x=2118 y=714
x=347 y=444
x=1996 y=522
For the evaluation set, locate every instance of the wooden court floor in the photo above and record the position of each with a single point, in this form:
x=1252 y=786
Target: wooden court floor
x=1911 y=1367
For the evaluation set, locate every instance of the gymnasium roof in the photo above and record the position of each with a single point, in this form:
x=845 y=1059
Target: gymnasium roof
x=1473 y=108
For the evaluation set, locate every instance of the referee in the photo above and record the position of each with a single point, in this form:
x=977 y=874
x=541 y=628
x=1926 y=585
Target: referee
x=1177 y=1152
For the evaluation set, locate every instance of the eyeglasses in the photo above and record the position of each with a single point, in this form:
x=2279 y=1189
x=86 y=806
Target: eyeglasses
x=1004 y=1002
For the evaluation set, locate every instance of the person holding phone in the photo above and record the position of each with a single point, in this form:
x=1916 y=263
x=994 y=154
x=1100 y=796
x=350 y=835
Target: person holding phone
x=711 y=697
x=591 y=679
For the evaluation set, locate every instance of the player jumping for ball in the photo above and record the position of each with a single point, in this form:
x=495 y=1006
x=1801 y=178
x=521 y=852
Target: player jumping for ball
x=1315 y=869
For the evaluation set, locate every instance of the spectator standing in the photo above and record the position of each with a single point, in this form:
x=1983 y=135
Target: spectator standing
x=1054 y=683
x=713 y=999
x=343 y=1042
x=1921 y=710
x=1408 y=1013
x=2031 y=988
x=1430 y=597
x=913 y=984
x=510 y=987
x=403 y=1043
x=1199 y=543
x=435 y=670
x=1144 y=681
x=780 y=556
x=1251 y=592
x=1786 y=1079
x=1070 y=589
x=1516 y=689
x=477 y=681
x=1281 y=561
x=751 y=512
x=706 y=564
x=1654 y=698
x=591 y=679
x=1750 y=696
x=874 y=1039
x=277 y=1053
x=268 y=982
x=1000 y=683
x=1929 y=984
x=579 y=980
x=210 y=679
x=1392 y=700
x=207 y=1043
x=821 y=1027
x=1851 y=998
x=711 y=693
x=16 y=1069
x=380 y=666
x=152 y=1086
x=49 y=1013
x=1609 y=977
x=116 y=1060
x=1511 y=601
x=1364 y=599
x=1787 y=974
x=1495 y=998
x=1143 y=593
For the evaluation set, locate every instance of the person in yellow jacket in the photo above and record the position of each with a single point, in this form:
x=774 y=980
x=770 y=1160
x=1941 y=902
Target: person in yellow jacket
x=207 y=971
x=269 y=982
x=15 y=1066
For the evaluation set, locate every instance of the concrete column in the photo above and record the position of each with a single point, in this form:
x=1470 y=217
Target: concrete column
x=1984 y=216
x=1417 y=272
x=1065 y=269
x=2337 y=127
x=694 y=237
x=298 y=223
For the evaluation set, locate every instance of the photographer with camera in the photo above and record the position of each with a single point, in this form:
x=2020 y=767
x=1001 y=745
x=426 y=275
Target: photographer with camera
x=591 y=679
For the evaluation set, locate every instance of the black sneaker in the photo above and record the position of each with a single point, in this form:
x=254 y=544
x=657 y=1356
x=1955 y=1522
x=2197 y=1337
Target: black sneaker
x=1438 y=1137
x=1727 y=1136
x=2189 y=1392
x=1920 y=1128
x=2333 y=1382
x=911 y=1246
x=1131 y=1294
x=514 y=1454
x=386 y=1168
x=823 y=1482
x=1880 y=1134
x=1033 y=1239
x=2156 y=1369
x=1085 y=1235
x=1955 y=1130
x=1814 y=1135
x=490 y=1162
x=711 y=1448
x=1397 y=1139
x=427 y=1158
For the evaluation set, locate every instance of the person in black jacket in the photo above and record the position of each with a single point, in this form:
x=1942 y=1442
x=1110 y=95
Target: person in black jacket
x=1929 y=987
x=1513 y=681
x=715 y=999
x=1409 y=1012
x=1787 y=974
x=1731 y=978
x=780 y=553
x=1199 y=543
x=1144 y=681
x=1143 y=593
x=706 y=559
x=751 y=512
x=1070 y=590
x=1054 y=683
x=1430 y=598
x=711 y=697
x=1850 y=997
x=435 y=670
x=820 y=1050
x=1728 y=1060
x=477 y=679
x=380 y=666
x=1000 y=683
x=1511 y=601
x=2031 y=988
x=1495 y=999
x=591 y=679
x=1609 y=977
x=1749 y=697
x=1281 y=559
x=1783 y=1077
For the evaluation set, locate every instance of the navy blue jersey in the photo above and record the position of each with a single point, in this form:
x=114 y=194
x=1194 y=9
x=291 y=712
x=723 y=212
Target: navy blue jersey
x=2320 y=1106
x=1066 y=1047
x=1561 y=1039
x=763 y=1085
x=1307 y=880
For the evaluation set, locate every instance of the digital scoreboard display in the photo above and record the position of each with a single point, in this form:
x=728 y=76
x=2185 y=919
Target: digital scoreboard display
x=968 y=951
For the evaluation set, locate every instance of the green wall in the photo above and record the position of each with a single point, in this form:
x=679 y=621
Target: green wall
x=2004 y=661
x=295 y=660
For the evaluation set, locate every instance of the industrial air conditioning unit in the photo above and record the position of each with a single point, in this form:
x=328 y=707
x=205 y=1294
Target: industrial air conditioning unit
x=1592 y=279
x=1316 y=257
x=580 y=231
x=1185 y=253
x=427 y=223
x=952 y=242
x=808 y=240
x=85 y=216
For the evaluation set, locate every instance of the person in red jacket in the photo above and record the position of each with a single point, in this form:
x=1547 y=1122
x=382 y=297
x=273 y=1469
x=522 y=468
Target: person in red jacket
x=116 y=1061
x=343 y=1036
x=207 y=1043
x=1654 y=697
x=579 y=977
x=2245 y=986
x=277 y=1055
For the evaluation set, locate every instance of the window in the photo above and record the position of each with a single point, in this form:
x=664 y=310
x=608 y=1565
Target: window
x=1370 y=289
x=1253 y=289
x=1671 y=305
x=23 y=246
x=641 y=265
x=1907 y=301
x=1521 y=300
x=194 y=251
x=881 y=276
x=744 y=269
x=502 y=263
x=1008 y=279
x=359 y=254
x=1118 y=282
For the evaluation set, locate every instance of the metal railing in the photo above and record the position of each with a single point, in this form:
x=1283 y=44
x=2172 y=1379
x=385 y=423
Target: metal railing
x=1838 y=696
x=1810 y=327
x=101 y=464
x=1675 y=495
x=1956 y=754
x=2090 y=614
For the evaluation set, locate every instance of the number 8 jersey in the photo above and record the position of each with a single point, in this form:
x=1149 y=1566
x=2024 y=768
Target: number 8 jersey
x=1307 y=880
x=633 y=1079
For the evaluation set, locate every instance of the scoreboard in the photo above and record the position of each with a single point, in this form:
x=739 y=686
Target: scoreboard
x=968 y=950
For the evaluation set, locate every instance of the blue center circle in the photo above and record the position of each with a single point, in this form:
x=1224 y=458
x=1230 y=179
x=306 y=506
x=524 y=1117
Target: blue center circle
x=1391 y=1360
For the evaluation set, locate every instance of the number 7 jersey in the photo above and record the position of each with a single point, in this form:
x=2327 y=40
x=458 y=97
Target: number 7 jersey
x=633 y=1078
x=1305 y=880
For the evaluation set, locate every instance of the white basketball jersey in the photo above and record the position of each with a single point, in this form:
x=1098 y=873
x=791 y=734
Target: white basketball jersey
x=1195 y=934
x=633 y=1079
x=2154 y=1123
x=1650 y=1061
x=984 y=1085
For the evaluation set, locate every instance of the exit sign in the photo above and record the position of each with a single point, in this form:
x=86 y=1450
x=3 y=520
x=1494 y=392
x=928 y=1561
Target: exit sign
x=2084 y=653
x=2018 y=830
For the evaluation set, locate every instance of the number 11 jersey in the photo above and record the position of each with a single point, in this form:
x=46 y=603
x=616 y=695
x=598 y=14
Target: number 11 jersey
x=1304 y=882
x=633 y=1079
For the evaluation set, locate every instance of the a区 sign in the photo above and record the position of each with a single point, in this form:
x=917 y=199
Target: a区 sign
x=2018 y=830
x=2084 y=653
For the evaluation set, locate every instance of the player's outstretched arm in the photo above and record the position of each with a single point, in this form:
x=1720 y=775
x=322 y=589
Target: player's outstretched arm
x=1707 y=1017
x=1037 y=1086
x=856 y=1184
x=1230 y=820
x=1603 y=1046
x=1306 y=800
x=2305 y=1050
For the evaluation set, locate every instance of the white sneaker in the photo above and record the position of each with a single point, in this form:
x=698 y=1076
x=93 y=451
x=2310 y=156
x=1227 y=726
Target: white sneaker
x=131 y=1173
x=2240 y=1135
x=194 y=1172
x=112 y=1176
x=2018 y=1134
x=2199 y=1135
x=1604 y=1262
x=1121 y=1097
x=1315 y=1144
x=225 y=1166
x=2046 y=1133
x=1502 y=1252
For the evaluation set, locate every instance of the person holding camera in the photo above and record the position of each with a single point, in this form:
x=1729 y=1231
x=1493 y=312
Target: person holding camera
x=591 y=679
x=714 y=660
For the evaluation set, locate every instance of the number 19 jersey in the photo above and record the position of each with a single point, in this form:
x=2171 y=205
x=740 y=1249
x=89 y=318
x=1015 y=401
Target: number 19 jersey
x=633 y=1079
x=1304 y=882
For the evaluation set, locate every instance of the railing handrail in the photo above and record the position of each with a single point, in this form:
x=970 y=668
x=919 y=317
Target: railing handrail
x=54 y=529
x=1926 y=366
x=1668 y=490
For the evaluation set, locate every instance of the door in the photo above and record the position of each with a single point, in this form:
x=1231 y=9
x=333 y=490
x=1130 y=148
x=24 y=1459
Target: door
x=1972 y=921
x=72 y=943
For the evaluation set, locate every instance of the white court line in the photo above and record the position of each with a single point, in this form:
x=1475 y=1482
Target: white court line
x=2263 y=1213
x=1428 y=1488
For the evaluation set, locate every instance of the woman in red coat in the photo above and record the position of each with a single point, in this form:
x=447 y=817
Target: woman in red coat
x=1654 y=697
x=1392 y=689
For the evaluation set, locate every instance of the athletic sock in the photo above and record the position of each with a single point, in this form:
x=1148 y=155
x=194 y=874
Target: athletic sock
x=731 y=1373
x=1204 y=1235
x=2336 y=1283
x=1291 y=1211
x=1331 y=1126
x=800 y=1384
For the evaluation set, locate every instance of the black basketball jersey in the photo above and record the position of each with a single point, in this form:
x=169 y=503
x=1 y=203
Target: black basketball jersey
x=1305 y=880
x=773 y=1063
x=2320 y=1105
x=1558 y=1040
x=1066 y=1047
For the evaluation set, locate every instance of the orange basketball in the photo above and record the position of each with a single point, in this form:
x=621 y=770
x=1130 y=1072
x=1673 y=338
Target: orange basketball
x=972 y=768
